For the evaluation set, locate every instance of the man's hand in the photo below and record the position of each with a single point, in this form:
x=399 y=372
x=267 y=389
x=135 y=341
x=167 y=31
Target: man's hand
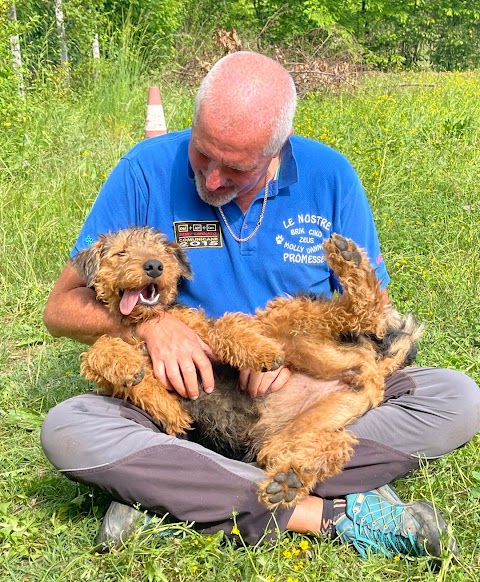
x=177 y=353
x=259 y=383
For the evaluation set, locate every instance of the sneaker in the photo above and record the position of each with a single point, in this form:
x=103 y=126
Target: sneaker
x=379 y=521
x=118 y=525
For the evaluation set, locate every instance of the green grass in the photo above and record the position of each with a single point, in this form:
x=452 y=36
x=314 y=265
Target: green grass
x=415 y=140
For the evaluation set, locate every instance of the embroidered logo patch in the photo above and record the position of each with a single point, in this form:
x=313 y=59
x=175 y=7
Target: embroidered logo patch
x=195 y=234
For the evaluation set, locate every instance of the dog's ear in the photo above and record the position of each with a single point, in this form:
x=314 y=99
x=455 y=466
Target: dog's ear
x=181 y=257
x=87 y=262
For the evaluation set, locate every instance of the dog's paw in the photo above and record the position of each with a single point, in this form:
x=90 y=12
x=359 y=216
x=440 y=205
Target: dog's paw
x=267 y=355
x=273 y=364
x=282 y=488
x=342 y=249
x=129 y=378
x=137 y=378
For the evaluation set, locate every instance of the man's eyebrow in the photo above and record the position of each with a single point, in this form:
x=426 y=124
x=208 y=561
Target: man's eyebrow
x=242 y=168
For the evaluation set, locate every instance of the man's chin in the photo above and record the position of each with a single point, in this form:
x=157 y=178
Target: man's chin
x=214 y=198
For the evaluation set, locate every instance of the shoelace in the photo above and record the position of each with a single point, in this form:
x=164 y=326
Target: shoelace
x=387 y=543
x=386 y=538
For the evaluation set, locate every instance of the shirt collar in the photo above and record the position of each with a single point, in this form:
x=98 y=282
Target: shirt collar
x=288 y=167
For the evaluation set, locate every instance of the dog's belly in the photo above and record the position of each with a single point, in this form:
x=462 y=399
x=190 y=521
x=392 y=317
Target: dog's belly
x=224 y=418
x=300 y=393
x=233 y=423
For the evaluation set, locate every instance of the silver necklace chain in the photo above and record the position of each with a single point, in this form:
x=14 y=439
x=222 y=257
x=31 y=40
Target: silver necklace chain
x=260 y=218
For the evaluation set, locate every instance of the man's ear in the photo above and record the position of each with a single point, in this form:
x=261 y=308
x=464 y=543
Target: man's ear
x=87 y=262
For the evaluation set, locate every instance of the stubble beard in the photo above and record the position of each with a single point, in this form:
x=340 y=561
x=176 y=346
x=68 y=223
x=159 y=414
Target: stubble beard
x=213 y=198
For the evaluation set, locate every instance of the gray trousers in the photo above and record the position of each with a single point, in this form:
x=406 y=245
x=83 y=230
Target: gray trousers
x=107 y=442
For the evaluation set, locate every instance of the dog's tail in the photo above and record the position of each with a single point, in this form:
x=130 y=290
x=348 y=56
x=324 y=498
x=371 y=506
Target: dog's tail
x=398 y=347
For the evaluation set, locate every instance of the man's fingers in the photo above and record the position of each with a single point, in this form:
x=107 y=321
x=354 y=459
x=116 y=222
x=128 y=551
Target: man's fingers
x=258 y=383
x=181 y=374
x=178 y=355
x=283 y=377
x=243 y=378
x=160 y=374
x=205 y=369
x=175 y=377
x=190 y=380
x=207 y=349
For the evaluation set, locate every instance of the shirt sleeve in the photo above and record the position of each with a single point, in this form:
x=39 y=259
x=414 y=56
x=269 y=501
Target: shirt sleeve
x=356 y=222
x=121 y=203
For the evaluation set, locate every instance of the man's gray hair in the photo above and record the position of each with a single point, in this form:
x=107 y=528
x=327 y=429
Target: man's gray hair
x=276 y=84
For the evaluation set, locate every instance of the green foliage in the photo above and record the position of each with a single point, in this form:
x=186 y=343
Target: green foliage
x=394 y=34
x=159 y=20
x=415 y=140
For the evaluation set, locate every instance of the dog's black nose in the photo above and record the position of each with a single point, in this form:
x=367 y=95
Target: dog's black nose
x=153 y=268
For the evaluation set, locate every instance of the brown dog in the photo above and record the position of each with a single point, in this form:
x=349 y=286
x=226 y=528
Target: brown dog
x=296 y=434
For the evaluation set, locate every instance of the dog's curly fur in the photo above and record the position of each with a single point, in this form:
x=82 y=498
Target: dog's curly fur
x=297 y=434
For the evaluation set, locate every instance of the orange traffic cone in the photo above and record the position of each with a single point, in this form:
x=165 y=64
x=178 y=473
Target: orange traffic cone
x=155 y=119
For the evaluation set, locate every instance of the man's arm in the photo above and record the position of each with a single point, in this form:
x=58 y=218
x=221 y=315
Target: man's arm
x=176 y=351
x=73 y=311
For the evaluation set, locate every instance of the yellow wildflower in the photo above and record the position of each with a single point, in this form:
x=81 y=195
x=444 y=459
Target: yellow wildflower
x=304 y=545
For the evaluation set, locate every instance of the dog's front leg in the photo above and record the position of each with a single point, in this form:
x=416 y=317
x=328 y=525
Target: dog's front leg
x=110 y=362
x=122 y=370
x=362 y=304
x=237 y=339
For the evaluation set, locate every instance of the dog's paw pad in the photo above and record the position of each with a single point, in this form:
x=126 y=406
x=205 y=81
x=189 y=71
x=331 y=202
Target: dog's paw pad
x=135 y=379
x=354 y=256
x=274 y=365
x=283 y=488
x=341 y=242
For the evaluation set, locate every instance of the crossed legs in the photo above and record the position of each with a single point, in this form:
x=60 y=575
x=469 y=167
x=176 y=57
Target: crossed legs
x=104 y=442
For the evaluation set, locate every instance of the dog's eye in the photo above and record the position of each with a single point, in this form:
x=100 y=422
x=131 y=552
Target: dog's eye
x=120 y=254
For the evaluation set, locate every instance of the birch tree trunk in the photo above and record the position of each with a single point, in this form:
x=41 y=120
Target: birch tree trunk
x=62 y=39
x=96 y=47
x=16 y=52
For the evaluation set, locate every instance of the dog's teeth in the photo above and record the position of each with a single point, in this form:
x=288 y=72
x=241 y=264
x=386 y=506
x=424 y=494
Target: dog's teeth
x=152 y=301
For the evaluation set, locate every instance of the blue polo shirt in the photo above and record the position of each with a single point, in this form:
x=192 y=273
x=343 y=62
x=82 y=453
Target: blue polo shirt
x=315 y=194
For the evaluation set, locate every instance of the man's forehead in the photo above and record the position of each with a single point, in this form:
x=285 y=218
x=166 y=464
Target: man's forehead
x=228 y=150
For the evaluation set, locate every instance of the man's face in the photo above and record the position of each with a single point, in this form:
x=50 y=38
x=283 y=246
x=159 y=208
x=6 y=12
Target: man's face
x=225 y=168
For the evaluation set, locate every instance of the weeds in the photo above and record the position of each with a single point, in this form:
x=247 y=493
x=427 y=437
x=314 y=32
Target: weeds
x=415 y=140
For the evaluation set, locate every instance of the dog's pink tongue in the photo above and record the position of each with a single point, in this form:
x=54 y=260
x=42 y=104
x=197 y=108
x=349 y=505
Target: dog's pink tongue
x=129 y=300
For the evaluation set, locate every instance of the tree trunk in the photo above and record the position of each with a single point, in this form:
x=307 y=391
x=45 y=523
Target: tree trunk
x=16 y=52
x=62 y=39
x=96 y=47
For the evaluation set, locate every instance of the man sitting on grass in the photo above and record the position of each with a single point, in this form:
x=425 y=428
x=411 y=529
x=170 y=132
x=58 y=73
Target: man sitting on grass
x=264 y=200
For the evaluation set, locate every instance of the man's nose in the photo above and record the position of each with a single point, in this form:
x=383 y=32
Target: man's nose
x=214 y=177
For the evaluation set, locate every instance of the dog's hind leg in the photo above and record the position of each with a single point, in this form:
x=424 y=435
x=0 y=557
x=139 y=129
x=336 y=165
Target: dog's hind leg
x=295 y=465
x=312 y=448
x=355 y=365
x=362 y=299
